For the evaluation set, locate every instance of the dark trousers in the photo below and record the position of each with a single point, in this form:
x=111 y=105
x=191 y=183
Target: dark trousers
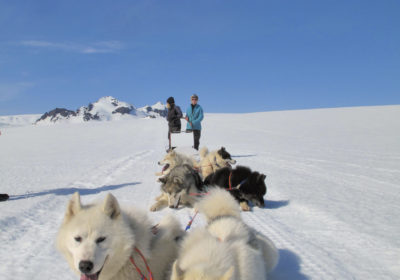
x=196 y=138
x=172 y=130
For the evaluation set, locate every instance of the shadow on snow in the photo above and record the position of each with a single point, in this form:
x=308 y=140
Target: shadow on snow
x=240 y=156
x=288 y=267
x=271 y=204
x=70 y=191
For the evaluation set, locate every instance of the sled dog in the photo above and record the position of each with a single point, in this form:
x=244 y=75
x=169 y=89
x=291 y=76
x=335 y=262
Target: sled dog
x=173 y=159
x=212 y=161
x=180 y=186
x=226 y=248
x=245 y=185
x=99 y=240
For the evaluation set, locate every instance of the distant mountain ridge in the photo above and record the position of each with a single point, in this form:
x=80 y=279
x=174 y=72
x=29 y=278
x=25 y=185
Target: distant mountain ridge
x=105 y=109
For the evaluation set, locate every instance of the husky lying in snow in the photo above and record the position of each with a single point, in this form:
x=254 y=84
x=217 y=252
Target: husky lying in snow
x=227 y=249
x=212 y=161
x=173 y=159
x=98 y=241
x=180 y=186
x=245 y=185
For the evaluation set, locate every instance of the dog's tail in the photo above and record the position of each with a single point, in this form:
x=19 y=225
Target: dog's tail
x=269 y=251
x=203 y=152
x=218 y=203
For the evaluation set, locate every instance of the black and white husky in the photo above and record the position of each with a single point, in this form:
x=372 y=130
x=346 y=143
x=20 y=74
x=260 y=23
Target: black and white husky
x=245 y=185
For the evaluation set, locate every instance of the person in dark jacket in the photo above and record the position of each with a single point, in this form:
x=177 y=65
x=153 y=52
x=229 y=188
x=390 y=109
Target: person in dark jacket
x=174 y=118
x=194 y=116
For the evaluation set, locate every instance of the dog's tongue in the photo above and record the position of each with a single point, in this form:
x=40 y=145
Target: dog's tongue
x=165 y=167
x=89 y=277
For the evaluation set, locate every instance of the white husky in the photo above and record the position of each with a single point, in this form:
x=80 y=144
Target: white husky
x=173 y=159
x=227 y=249
x=102 y=242
x=213 y=161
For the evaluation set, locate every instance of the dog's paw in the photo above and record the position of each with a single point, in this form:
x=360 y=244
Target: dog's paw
x=154 y=208
x=154 y=229
x=244 y=206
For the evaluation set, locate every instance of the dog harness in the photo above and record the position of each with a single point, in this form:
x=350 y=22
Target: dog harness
x=230 y=182
x=191 y=221
x=145 y=263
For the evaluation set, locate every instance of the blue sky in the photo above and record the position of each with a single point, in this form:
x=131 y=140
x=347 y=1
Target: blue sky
x=238 y=56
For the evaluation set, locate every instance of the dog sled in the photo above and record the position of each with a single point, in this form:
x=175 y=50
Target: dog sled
x=182 y=139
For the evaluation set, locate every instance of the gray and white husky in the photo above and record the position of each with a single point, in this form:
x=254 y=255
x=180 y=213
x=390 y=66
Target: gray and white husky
x=227 y=249
x=182 y=185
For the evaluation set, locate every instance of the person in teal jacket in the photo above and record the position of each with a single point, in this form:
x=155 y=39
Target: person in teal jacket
x=194 y=116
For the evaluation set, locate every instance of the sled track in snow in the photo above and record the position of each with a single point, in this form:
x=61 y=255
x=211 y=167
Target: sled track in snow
x=40 y=221
x=310 y=265
x=108 y=172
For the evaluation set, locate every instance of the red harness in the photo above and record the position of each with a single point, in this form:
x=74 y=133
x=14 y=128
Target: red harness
x=138 y=269
x=230 y=181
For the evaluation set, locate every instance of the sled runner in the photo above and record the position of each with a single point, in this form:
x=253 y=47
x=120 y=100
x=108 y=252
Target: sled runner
x=182 y=138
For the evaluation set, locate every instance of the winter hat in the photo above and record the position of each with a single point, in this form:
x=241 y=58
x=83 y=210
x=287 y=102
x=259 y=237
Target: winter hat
x=194 y=96
x=171 y=100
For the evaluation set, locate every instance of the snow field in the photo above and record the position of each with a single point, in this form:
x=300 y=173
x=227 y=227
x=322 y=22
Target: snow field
x=332 y=176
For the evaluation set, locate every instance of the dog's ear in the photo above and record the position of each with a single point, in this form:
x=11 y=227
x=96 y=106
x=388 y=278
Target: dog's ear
x=162 y=180
x=178 y=181
x=111 y=207
x=221 y=151
x=74 y=206
x=262 y=177
x=177 y=273
x=228 y=274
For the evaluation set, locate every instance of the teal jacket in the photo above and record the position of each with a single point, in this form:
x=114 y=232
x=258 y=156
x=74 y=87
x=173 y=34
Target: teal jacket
x=195 y=117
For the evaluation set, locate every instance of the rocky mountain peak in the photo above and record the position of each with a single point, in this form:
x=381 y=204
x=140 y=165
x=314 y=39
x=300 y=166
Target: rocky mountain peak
x=105 y=109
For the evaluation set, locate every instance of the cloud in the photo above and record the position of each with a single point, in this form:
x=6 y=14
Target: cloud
x=10 y=91
x=97 y=47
